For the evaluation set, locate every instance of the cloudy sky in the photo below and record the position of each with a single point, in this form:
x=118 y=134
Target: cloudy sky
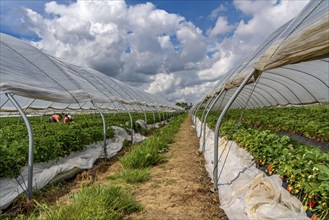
x=176 y=49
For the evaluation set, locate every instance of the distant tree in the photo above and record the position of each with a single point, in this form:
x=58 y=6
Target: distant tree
x=183 y=105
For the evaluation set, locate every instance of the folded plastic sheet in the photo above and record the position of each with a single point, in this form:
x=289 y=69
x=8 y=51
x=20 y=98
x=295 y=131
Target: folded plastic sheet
x=43 y=173
x=306 y=38
x=244 y=191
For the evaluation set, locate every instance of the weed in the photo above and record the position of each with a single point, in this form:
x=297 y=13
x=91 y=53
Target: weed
x=98 y=202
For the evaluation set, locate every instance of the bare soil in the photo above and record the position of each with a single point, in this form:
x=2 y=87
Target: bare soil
x=179 y=188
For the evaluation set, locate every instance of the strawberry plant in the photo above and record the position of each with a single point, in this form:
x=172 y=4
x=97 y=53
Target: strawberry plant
x=54 y=140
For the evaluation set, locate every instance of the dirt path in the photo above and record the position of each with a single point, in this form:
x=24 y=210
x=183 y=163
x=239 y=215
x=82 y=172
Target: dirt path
x=179 y=188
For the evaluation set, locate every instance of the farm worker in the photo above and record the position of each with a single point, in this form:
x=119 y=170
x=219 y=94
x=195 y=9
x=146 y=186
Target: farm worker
x=55 y=118
x=67 y=118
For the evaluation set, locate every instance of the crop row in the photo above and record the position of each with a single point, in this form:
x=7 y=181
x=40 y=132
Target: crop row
x=303 y=168
x=53 y=140
x=308 y=121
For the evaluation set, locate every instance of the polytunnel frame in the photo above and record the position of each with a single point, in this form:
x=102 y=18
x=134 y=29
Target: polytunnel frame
x=205 y=108
x=28 y=124
x=31 y=144
x=242 y=85
x=67 y=75
x=206 y=116
x=104 y=129
x=143 y=98
x=31 y=138
x=218 y=124
x=119 y=103
x=130 y=90
x=232 y=99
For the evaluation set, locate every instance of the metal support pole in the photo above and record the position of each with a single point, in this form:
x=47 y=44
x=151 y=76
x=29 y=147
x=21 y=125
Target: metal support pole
x=104 y=129
x=196 y=111
x=159 y=116
x=131 y=122
x=153 y=119
x=164 y=117
x=31 y=145
x=219 y=121
x=193 y=113
x=145 y=117
x=205 y=119
x=131 y=127
x=204 y=110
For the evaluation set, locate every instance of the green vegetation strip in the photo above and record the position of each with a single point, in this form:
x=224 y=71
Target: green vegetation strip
x=54 y=140
x=148 y=153
x=302 y=167
x=96 y=202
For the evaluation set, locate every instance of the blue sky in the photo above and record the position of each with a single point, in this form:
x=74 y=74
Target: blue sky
x=177 y=49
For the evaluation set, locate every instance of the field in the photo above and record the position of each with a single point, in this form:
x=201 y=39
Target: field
x=302 y=167
x=54 y=140
x=268 y=134
x=115 y=200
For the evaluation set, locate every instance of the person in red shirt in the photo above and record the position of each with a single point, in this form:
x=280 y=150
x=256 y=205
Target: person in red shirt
x=55 y=118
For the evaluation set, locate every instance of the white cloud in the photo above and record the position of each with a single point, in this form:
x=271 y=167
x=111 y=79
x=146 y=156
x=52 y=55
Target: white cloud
x=191 y=93
x=193 y=45
x=112 y=37
x=162 y=83
x=221 y=27
x=220 y=68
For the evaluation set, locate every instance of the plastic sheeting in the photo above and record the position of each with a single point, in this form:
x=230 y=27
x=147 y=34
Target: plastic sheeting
x=307 y=37
x=28 y=72
x=291 y=67
x=45 y=172
x=244 y=191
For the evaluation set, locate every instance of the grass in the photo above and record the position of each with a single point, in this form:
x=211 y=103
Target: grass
x=143 y=156
x=149 y=152
x=97 y=202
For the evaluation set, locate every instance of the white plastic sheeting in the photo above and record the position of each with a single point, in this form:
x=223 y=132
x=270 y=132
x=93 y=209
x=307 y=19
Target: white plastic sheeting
x=292 y=65
x=43 y=81
x=244 y=191
x=45 y=172
x=306 y=37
